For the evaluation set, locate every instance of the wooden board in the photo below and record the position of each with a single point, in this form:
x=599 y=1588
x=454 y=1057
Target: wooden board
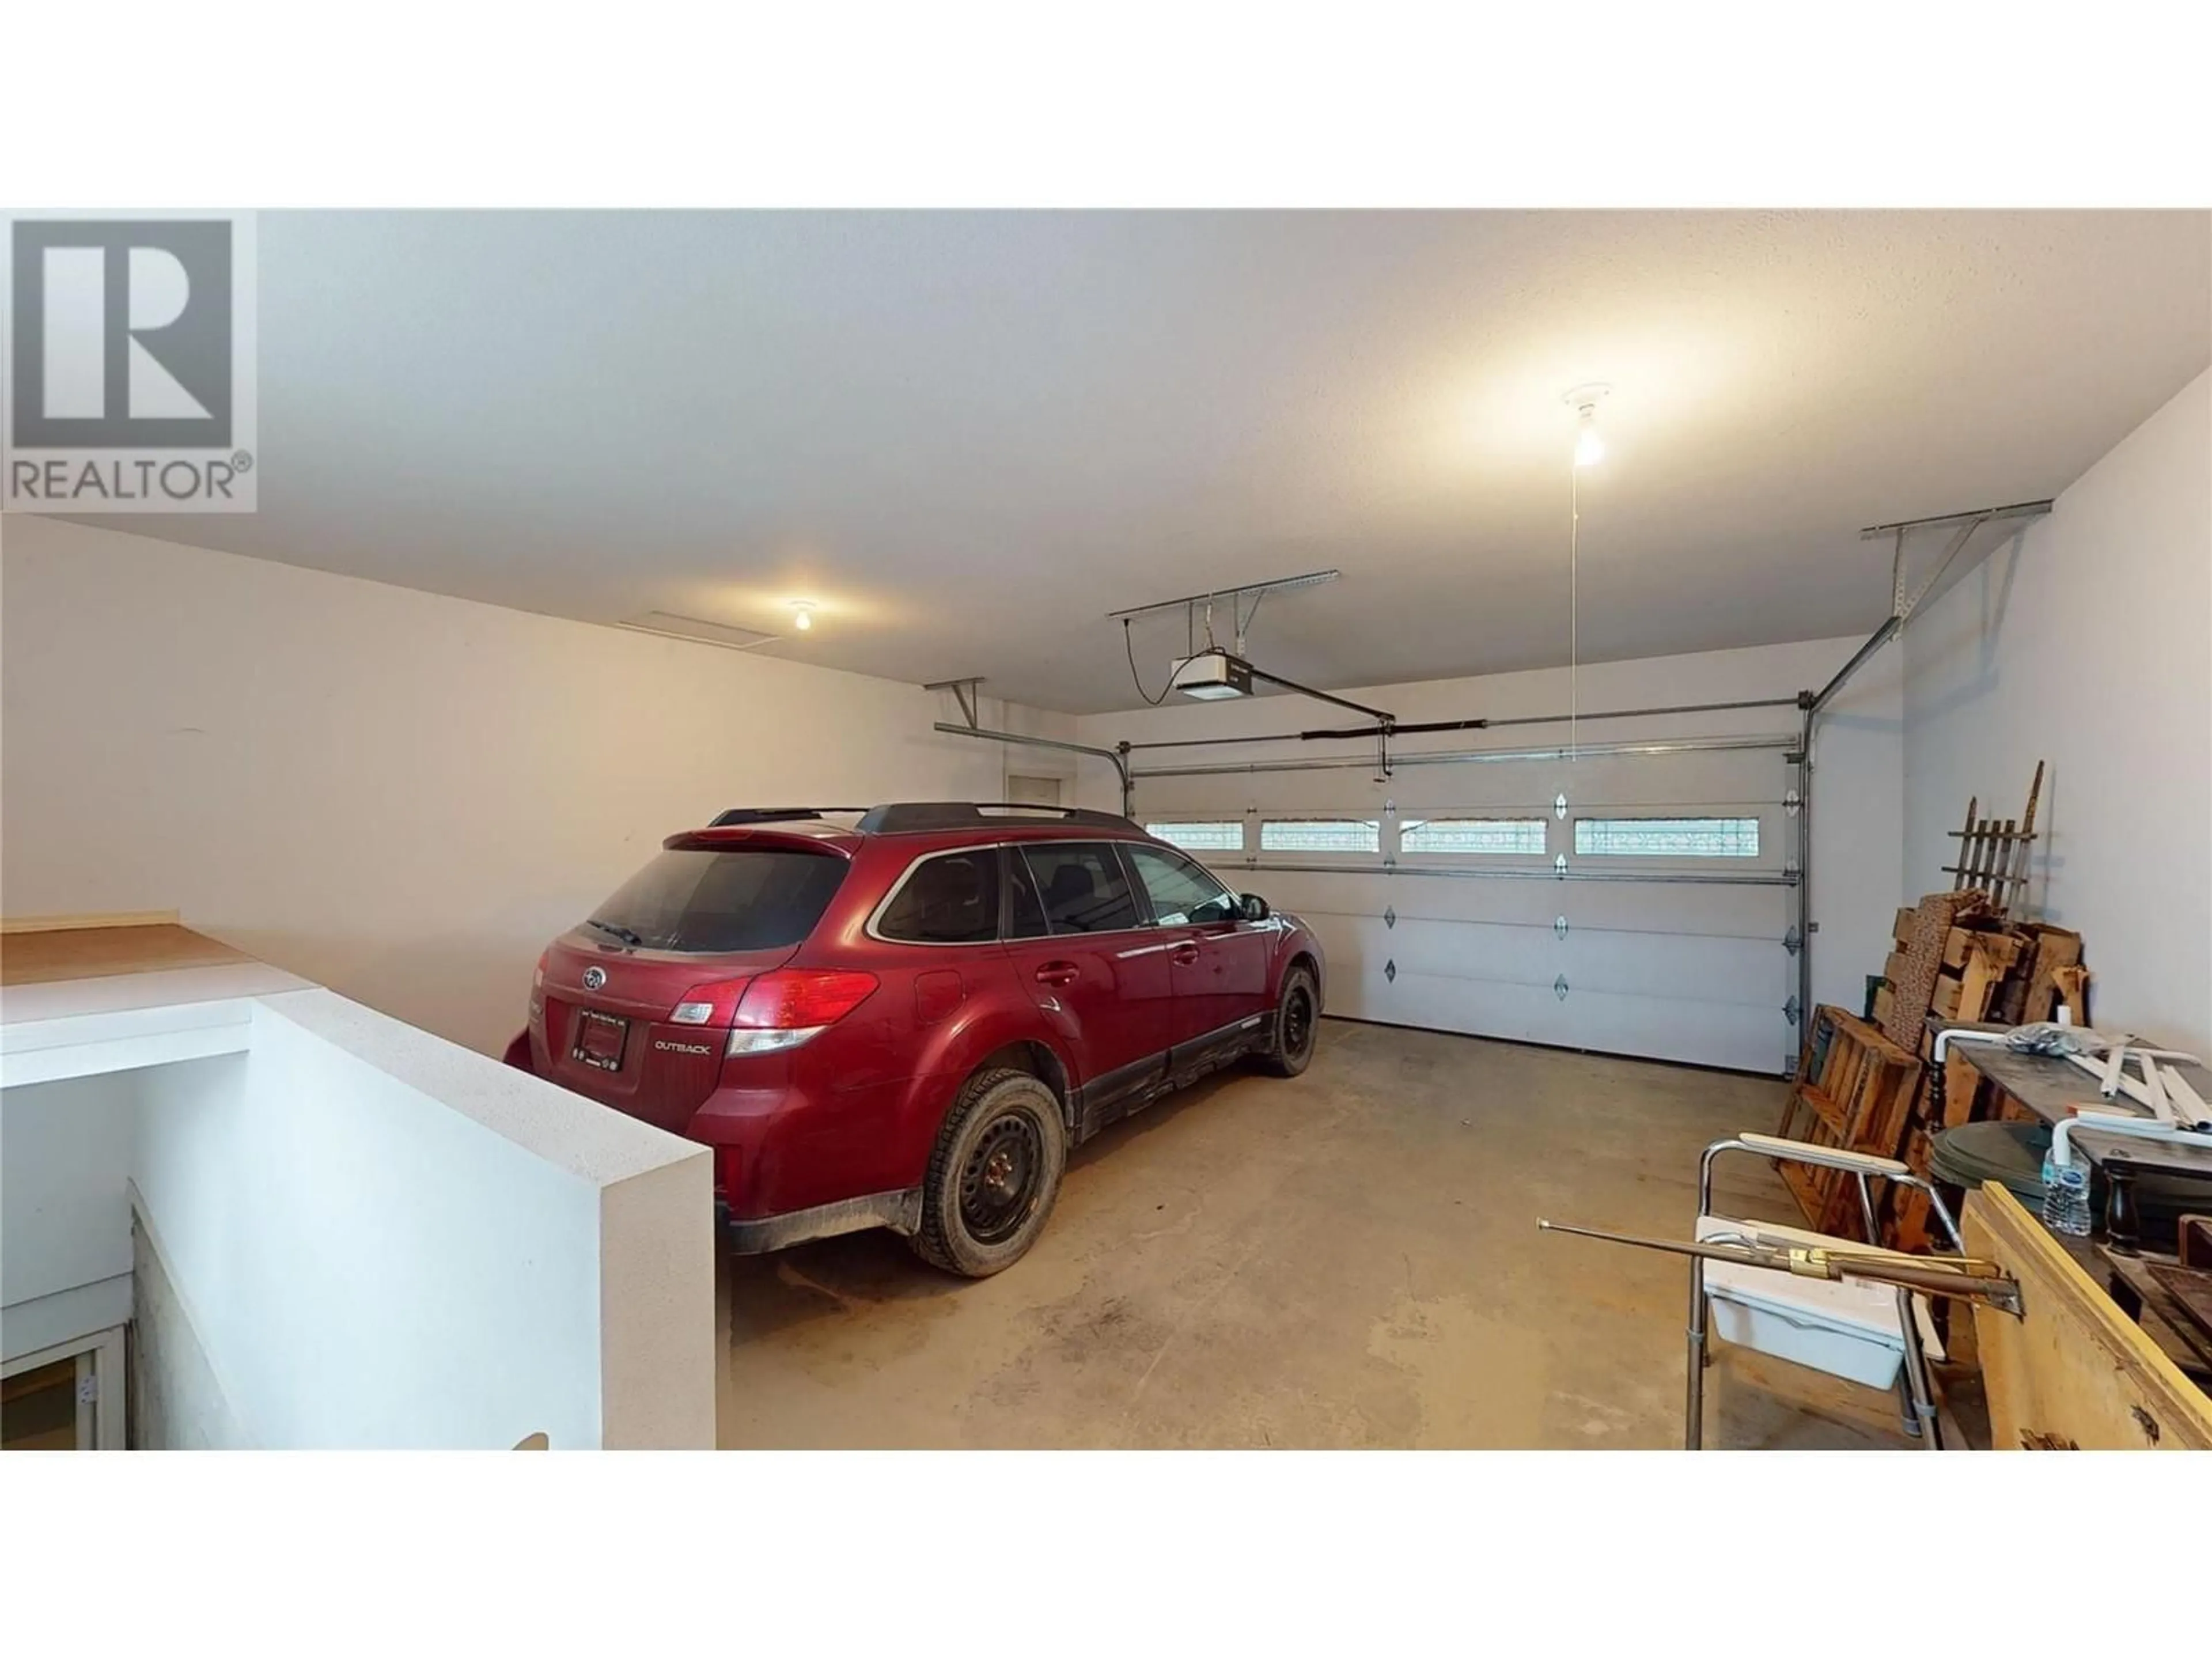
x=1938 y=913
x=2072 y=1370
x=70 y=924
x=2038 y=991
x=43 y=956
x=1854 y=1088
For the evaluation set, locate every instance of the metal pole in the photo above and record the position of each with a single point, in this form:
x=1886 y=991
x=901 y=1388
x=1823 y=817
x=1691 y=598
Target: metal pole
x=1459 y=757
x=1875 y=640
x=1119 y=764
x=2017 y=510
x=1631 y=713
x=1384 y=717
x=1804 y=897
x=1517 y=873
x=1279 y=585
x=1403 y=729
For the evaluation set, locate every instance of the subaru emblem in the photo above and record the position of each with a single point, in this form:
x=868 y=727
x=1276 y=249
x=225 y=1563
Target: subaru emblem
x=594 y=978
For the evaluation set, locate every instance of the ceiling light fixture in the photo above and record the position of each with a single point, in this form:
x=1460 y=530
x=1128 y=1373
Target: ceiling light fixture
x=802 y=614
x=1589 y=445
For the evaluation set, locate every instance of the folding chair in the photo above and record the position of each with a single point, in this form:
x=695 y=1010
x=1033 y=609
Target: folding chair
x=1865 y=1333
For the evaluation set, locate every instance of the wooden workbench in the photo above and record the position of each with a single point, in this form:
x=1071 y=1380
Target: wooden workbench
x=2070 y=1369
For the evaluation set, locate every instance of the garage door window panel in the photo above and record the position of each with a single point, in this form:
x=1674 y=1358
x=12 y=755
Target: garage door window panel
x=1666 y=837
x=1467 y=835
x=1208 y=835
x=1320 y=835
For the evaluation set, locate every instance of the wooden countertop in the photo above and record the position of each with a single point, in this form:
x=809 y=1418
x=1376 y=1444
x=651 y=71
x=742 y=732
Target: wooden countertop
x=38 y=954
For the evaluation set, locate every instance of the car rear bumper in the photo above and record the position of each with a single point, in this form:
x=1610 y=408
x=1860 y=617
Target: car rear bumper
x=901 y=1212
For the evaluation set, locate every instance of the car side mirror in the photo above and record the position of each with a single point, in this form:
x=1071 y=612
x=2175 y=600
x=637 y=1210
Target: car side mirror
x=1255 y=906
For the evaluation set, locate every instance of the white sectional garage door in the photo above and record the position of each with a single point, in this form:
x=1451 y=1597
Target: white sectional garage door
x=1440 y=895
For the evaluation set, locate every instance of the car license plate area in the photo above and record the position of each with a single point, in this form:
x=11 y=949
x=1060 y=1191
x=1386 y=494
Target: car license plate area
x=600 y=1039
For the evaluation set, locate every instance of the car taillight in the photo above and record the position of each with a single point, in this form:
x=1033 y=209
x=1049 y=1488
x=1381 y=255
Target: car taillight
x=538 y=975
x=712 y=1004
x=784 y=1009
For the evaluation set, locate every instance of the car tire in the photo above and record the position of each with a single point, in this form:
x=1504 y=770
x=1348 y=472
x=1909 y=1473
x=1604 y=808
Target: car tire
x=993 y=1175
x=1296 y=1029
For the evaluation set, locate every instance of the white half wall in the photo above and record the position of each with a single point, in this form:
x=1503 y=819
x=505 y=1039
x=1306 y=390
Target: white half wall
x=332 y=1229
x=395 y=794
x=1858 y=877
x=2083 y=643
x=65 y=1151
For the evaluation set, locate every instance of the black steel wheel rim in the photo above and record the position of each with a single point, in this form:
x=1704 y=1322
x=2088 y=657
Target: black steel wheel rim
x=1297 y=1021
x=1001 y=1178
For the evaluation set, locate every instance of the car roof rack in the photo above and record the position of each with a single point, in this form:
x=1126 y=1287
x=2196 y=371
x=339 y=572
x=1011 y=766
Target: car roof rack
x=775 y=814
x=902 y=817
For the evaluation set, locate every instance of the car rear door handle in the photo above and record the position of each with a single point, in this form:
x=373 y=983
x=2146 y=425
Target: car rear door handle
x=1184 y=954
x=1059 y=973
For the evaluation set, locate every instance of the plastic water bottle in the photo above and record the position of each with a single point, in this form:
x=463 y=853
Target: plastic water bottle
x=2066 y=1199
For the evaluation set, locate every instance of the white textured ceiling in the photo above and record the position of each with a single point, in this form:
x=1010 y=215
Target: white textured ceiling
x=968 y=436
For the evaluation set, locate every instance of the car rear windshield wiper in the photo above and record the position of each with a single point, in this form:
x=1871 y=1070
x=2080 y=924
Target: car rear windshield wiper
x=617 y=930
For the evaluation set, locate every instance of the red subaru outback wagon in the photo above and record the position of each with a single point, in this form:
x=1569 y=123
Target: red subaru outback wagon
x=908 y=1020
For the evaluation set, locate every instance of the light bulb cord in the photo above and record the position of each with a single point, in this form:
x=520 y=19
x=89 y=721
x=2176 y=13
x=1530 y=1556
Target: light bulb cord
x=1574 y=605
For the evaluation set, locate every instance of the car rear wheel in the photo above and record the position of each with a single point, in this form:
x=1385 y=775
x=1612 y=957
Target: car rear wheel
x=993 y=1175
x=1290 y=1049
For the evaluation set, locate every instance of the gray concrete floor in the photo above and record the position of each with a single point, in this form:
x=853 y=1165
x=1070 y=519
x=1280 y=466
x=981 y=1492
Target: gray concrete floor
x=1350 y=1258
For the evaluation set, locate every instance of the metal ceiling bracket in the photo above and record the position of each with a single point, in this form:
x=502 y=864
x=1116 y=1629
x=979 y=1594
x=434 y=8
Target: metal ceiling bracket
x=964 y=693
x=1901 y=606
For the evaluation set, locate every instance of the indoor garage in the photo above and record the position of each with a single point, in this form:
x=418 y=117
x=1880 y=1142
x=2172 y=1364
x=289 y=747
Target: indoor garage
x=966 y=826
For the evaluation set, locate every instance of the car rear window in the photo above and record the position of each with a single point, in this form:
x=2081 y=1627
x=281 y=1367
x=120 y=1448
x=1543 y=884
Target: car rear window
x=691 y=899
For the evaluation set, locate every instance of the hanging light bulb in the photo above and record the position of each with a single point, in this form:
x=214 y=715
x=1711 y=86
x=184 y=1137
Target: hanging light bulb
x=1589 y=445
x=1589 y=449
x=803 y=615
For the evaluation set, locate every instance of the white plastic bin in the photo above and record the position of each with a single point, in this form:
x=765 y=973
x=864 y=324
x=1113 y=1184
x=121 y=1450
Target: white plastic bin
x=1847 y=1330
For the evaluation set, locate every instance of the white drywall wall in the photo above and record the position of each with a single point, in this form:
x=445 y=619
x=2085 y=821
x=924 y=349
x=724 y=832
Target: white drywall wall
x=399 y=795
x=177 y=1403
x=2083 y=643
x=65 y=1149
x=1858 y=873
x=374 y=1238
